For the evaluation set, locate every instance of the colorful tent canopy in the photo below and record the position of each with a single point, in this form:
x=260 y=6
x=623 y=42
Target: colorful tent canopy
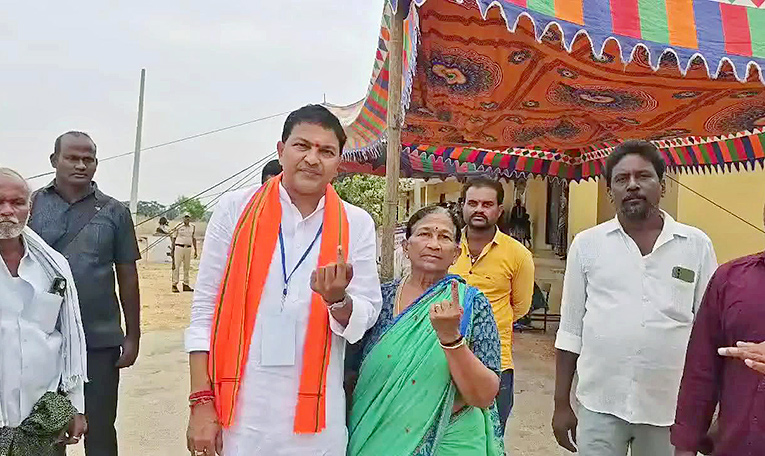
x=549 y=87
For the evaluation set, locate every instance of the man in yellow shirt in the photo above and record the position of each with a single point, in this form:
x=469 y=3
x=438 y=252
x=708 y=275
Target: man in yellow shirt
x=498 y=265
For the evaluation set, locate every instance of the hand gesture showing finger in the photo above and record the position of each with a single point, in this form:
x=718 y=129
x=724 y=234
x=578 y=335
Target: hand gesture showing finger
x=445 y=316
x=332 y=280
x=752 y=354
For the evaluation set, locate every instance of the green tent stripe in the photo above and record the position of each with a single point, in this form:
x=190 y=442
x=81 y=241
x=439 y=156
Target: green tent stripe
x=653 y=21
x=757 y=31
x=704 y=153
x=542 y=6
x=382 y=102
x=733 y=151
x=427 y=163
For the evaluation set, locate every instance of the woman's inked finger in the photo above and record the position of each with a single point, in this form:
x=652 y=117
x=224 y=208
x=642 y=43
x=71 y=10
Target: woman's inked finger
x=455 y=293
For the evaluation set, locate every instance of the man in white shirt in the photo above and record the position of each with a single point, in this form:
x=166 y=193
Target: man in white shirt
x=42 y=343
x=275 y=389
x=631 y=290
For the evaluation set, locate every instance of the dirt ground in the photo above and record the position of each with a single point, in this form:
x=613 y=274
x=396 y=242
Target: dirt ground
x=153 y=411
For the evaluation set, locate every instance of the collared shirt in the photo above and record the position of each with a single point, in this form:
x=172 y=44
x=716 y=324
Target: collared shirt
x=504 y=272
x=629 y=318
x=733 y=310
x=31 y=363
x=108 y=239
x=184 y=235
x=266 y=409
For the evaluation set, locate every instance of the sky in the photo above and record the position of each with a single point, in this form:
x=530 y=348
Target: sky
x=209 y=65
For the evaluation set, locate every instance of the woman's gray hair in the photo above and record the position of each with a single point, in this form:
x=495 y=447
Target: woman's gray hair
x=433 y=209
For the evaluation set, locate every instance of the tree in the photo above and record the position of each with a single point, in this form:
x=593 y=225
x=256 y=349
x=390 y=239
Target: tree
x=367 y=192
x=193 y=206
x=150 y=208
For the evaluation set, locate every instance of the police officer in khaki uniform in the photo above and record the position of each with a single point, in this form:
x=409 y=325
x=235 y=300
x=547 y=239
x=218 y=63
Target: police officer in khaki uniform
x=183 y=240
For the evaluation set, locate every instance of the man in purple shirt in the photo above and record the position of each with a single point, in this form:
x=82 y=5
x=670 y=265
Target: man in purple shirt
x=733 y=310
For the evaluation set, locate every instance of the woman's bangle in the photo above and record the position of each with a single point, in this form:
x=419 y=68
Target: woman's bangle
x=453 y=345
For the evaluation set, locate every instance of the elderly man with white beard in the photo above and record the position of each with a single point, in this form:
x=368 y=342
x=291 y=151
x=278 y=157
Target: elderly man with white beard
x=42 y=382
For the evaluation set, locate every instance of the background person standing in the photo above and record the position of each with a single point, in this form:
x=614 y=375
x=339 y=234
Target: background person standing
x=184 y=238
x=501 y=267
x=95 y=234
x=272 y=168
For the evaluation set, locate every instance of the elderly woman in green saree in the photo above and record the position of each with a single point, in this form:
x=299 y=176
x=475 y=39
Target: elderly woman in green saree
x=428 y=371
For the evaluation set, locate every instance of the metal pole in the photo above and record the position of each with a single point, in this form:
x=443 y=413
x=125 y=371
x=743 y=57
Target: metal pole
x=393 y=159
x=137 y=153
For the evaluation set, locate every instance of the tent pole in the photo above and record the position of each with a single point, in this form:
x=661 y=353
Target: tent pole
x=393 y=159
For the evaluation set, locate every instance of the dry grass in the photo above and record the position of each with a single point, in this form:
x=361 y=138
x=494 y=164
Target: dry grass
x=161 y=309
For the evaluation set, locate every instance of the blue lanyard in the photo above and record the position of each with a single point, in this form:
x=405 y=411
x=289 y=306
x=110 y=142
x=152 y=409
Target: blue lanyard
x=286 y=277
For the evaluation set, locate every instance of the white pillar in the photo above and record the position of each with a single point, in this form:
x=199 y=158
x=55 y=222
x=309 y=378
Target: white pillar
x=137 y=154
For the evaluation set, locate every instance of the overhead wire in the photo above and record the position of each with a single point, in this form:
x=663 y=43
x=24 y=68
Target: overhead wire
x=176 y=141
x=218 y=184
x=719 y=206
x=241 y=183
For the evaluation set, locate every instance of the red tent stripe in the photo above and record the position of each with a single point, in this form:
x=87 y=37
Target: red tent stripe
x=625 y=16
x=735 y=22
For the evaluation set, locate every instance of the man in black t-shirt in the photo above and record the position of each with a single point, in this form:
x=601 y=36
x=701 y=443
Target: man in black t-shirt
x=95 y=234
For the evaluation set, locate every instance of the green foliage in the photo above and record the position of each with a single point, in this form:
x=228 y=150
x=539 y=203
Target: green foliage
x=150 y=208
x=193 y=206
x=367 y=192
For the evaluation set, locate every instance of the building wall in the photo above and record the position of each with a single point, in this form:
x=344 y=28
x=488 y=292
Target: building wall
x=742 y=193
x=536 y=206
x=606 y=209
x=583 y=207
x=670 y=202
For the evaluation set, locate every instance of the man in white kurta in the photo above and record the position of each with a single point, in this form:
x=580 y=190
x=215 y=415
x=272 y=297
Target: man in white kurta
x=265 y=412
x=42 y=343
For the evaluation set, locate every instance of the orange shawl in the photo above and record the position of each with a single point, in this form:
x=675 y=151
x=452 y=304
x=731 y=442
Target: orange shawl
x=255 y=239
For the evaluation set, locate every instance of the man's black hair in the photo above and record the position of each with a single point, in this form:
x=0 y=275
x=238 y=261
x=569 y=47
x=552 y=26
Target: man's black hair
x=485 y=182
x=635 y=147
x=432 y=209
x=57 y=144
x=272 y=168
x=315 y=115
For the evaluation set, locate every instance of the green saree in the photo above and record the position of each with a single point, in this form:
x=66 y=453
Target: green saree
x=404 y=396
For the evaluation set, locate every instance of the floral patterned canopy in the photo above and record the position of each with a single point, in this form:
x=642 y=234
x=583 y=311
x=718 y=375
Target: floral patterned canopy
x=549 y=87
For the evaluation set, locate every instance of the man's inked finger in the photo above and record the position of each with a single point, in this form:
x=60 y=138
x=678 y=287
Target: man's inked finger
x=348 y=272
x=321 y=277
x=340 y=255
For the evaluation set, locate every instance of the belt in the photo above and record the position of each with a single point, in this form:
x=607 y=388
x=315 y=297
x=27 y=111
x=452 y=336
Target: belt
x=182 y=245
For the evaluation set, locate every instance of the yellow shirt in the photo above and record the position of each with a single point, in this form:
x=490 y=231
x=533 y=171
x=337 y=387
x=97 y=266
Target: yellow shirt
x=504 y=272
